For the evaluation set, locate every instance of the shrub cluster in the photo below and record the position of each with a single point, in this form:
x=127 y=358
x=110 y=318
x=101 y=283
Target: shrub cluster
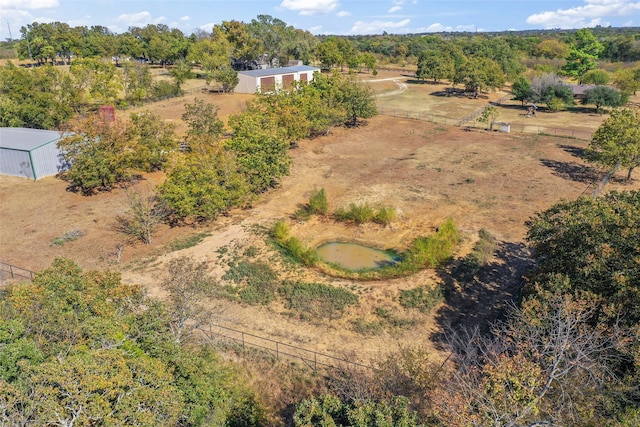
x=363 y=213
x=316 y=300
x=292 y=246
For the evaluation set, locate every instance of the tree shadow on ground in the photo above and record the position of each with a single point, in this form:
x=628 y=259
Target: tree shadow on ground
x=573 y=171
x=573 y=150
x=479 y=301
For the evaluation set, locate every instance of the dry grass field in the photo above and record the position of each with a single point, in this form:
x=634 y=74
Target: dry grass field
x=427 y=171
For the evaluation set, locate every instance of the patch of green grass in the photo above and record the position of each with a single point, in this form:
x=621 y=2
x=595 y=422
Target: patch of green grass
x=421 y=298
x=318 y=205
x=259 y=280
x=359 y=214
x=292 y=246
x=385 y=215
x=314 y=301
x=385 y=319
x=479 y=257
x=362 y=327
x=187 y=242
x=69 y=236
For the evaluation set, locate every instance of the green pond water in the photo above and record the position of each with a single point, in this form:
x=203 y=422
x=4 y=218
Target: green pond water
x=352 y=256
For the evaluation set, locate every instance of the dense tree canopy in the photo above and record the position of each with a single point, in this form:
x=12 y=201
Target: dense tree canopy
x=594 y=243
x=616 y=143
x=86 y=349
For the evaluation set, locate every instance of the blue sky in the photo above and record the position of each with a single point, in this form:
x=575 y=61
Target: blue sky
x=343 y=17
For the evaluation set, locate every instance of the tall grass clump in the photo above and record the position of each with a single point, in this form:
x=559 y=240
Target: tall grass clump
x=359 y=214
x=385 y=215
x=292 y=246
x=435 y=250
x=280 y=231
x=301 y=252
x=421 y=298
x=318 y=205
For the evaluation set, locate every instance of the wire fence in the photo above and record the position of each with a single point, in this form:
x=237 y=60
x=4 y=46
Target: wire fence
x=470 y=118
x=9 y=271
x=278 y=349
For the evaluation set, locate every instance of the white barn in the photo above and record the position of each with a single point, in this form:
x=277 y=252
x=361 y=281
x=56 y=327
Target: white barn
x=270 y=79
x=31 y=153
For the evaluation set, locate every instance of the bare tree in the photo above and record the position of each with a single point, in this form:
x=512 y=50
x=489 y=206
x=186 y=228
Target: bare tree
x=188 y=285
x=142 y=217
x=537 y=368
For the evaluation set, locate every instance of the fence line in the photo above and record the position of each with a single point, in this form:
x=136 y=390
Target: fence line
x=514 y=127
x=14 y=271
x=278 y=349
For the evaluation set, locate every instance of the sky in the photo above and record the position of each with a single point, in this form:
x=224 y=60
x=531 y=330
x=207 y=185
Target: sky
x=338 y=17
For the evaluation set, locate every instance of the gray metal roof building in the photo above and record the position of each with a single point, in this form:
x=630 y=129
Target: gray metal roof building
x=269 y=79
x=31 y=153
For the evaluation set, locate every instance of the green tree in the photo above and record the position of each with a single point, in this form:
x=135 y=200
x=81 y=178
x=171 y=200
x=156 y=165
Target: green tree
x=261 y=149
x=98 y=152
x=137 y=82
x=357 y=99
x=583 y=55
x=595 y=77
x=40 y=98
x=203 y=185
x=593 y=243
x=96 y=79
x=433 y=64
x=154 y=141
x=330 y=411
x=603 y=96
x=104 y=386
x=627 y=80
x=616 y=143
x=328 y=53
x=521 y=90
x=181 y=72
x=551 y=49
x=479 y=74
x=202 y=120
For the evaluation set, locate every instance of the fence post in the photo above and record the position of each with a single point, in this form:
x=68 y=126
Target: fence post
x=277 y=352
x=242 y=340
x=11 y=271
x=315 y=361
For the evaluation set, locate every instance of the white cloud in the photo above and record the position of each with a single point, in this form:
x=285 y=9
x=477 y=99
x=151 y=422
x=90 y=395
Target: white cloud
x=439 y=28
x=589 y=15
x=343 y=13
x=207 y=27
x=185 y=18
x=140 y=19
x=28 y=4
x=310 y=7
x=315 y=30
x=394 y=9
x=376 y=27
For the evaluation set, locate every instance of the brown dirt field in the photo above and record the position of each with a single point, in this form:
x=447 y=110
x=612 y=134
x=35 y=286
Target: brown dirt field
x=427 y=171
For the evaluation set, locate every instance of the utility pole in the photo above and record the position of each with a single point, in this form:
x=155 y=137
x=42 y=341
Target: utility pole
x=9 y=26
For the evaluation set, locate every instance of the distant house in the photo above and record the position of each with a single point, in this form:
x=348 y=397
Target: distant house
x=31 y=153
x=270 y=79
x=578 y=90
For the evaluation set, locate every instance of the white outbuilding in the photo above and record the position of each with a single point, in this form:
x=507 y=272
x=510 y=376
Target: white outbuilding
x=30 y=153
x=270 y=79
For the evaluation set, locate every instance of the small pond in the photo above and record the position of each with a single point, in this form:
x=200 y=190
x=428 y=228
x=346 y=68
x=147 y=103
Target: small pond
x=352 y=256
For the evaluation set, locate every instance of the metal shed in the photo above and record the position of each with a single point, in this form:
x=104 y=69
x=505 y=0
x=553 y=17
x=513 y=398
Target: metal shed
x=270 y=79
x=31 y=153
